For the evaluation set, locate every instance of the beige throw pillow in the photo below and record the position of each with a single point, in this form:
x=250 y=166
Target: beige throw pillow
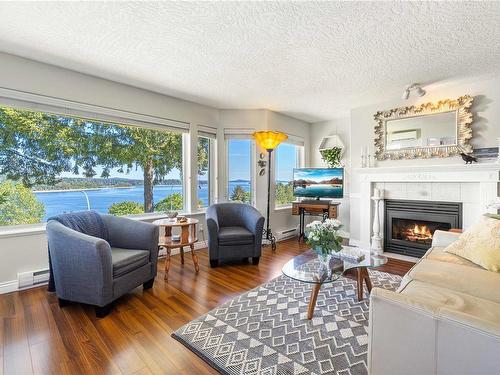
x=480 y=244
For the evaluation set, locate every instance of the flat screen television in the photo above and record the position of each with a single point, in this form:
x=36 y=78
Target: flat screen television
x=318 y=182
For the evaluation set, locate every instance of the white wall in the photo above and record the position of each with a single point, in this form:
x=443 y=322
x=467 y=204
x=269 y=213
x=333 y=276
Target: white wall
x=27 y=252
x=38 y=78
x=341 y=127
x=357 y=131
x=485 y=126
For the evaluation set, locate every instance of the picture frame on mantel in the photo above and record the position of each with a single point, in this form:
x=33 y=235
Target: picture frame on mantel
x=392 y=126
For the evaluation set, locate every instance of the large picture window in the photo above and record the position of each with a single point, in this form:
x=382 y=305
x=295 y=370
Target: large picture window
x=286 y=158
x=205 y=169
x=239 y=167
x=50 y=164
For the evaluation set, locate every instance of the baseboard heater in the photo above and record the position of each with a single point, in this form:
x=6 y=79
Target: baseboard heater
x=32 y=278
x=287 y=233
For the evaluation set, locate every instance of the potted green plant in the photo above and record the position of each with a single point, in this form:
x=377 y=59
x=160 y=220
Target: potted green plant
x=332 y=156
x=324 y=238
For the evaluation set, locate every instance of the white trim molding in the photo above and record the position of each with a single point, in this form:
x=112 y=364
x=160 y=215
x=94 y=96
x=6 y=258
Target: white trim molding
x=9 y=286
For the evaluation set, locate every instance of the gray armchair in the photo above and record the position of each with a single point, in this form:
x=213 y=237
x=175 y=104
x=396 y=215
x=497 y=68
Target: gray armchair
x=95 y=259
x=234 y=232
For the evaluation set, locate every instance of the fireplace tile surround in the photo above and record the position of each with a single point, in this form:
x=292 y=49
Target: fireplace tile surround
x=474 y=186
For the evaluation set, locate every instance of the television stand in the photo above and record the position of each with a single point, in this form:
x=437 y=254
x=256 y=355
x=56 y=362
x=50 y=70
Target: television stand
x=312 y=207
x=316 y=201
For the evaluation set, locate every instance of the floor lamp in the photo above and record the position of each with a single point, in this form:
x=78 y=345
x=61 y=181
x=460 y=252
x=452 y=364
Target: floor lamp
x=269 y=140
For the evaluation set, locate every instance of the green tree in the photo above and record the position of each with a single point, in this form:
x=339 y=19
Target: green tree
x=36 y=147
x=240 y=195
x=3 y=197
x=126 y=208
x=20 y=205
x=172 y=202
x=284 y=193
x=33 y=147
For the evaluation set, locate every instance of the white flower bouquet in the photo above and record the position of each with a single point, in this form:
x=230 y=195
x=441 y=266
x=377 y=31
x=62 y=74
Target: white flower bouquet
x=324 y=236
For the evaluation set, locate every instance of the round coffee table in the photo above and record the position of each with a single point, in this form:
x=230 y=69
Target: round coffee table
x=307 y=268
x=188 y=237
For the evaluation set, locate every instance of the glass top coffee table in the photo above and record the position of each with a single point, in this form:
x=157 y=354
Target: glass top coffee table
x=308 y=268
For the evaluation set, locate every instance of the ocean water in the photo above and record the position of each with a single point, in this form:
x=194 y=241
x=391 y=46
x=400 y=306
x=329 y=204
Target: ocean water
x=100 y=200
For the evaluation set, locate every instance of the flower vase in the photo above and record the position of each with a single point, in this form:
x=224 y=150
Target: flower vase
x=323 y=257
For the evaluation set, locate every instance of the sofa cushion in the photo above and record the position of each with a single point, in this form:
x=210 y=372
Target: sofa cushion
x=480 y=244
x=127 y=260
x=235 y=236
x=479 y=308
x=438 y=253
x=477 y=282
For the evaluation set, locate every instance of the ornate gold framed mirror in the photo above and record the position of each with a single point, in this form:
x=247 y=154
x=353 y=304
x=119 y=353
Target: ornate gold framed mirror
x=429 y=130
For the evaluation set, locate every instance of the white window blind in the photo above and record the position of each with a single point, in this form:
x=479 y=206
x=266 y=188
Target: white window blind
x=295 y=140
x=42 y=103
x=238 y=133
x=207 y=131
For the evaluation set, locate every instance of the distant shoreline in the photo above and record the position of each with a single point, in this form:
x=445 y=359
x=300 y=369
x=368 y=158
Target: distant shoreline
x=94 y=189
x=121 y=187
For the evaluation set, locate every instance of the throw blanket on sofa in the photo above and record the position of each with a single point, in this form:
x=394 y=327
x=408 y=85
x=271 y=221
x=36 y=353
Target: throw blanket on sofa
x=88 y=222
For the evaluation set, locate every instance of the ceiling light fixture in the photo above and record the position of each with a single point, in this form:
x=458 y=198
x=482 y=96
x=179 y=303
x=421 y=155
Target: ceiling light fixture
x=414 y=86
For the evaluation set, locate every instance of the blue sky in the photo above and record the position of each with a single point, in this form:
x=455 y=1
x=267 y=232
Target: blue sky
x=239 y=155
x=284 y=162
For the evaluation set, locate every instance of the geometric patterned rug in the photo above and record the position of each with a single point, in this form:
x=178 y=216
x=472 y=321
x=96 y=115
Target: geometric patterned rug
x=265 y=331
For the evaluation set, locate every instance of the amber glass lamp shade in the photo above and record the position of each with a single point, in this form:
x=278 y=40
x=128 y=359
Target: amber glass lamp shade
x=269 y=140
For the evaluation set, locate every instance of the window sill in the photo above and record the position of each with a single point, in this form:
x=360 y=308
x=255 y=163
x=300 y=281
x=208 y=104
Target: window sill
x=283 y=208
x=22 y=230
x=36 y=229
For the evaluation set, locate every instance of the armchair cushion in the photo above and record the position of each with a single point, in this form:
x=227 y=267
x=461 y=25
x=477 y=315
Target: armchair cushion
x=126 y=260
x=235 y=236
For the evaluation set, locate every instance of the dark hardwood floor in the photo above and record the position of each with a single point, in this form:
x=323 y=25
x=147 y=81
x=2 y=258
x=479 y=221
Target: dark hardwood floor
x=36 y=336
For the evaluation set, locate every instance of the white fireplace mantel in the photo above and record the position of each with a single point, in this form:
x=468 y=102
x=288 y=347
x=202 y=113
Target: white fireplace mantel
x=475 y=186
x=432 y=173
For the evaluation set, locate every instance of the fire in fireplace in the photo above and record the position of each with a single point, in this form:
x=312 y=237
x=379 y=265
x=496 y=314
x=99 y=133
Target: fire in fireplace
x=416 y=230
x=410 y=225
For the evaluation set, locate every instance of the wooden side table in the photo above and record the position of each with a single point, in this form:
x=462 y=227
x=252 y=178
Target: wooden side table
x=188 y=238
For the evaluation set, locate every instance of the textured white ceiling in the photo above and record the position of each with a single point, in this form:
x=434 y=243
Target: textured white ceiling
x=310 y=60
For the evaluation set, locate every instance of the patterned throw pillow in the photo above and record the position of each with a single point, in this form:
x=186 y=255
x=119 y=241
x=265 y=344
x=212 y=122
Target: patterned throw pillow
x=480 y=244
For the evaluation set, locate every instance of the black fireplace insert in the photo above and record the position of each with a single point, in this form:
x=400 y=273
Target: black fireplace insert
x=410 y=225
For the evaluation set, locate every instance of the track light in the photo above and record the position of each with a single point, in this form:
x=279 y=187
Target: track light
x=414 y=86
x=420 y=91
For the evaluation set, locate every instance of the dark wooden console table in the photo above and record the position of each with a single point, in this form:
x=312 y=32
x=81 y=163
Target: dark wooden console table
x=325 y=209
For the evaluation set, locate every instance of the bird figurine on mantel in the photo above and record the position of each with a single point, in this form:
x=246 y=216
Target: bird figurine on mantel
x=468 y=158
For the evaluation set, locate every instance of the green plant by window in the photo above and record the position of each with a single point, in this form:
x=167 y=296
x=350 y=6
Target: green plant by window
x=172 y=202
x=284 y=193
x=19 y=205
x=126 y=208
x=240 y=195
x=332 y=156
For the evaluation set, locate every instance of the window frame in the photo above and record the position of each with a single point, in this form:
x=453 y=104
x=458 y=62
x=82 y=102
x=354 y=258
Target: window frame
x=299 y=163
x=64 y=108
x=211 y=171
x=253 y=149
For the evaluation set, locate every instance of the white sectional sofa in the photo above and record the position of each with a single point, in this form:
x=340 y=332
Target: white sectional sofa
x=443 y=319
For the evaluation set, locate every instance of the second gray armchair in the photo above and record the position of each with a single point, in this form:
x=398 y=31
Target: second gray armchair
x=234 y=232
